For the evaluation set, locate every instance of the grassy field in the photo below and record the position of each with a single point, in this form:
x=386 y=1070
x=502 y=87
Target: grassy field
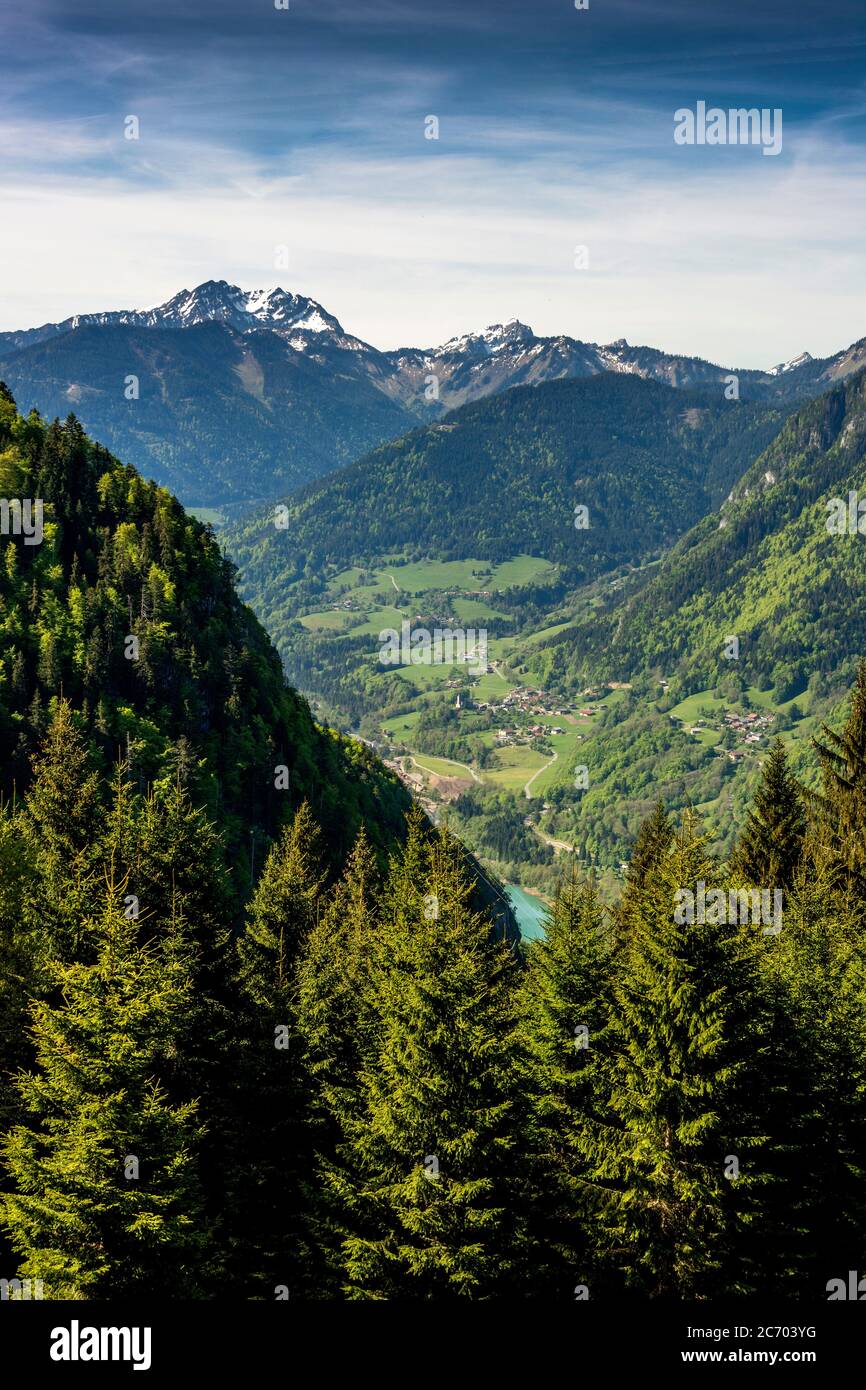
x=346 y=584
x=517 y=572
x=688 y=710
x=423 y=677
x=331 y=620
x=566 y=746
x=402 y=726
x=543 y=632
x=420 y=576
x=442 y=767
x=398 y=585
x=377 y=621
x=417 y=578
x=472 y=611
x=491 y=687
x=511 y=768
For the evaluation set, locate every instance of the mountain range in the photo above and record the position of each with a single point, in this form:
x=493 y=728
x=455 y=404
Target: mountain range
x=243 y=396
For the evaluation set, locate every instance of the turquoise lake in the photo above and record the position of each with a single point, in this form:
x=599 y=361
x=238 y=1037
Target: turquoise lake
x=529 y=911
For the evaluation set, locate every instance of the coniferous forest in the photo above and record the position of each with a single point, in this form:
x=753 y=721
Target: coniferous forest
x=266 y=1029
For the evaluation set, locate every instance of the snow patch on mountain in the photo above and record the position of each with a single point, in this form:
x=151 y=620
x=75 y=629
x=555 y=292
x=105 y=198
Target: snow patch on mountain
x=790 y=366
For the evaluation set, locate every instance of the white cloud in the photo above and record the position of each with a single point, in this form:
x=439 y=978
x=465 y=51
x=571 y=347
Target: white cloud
x=720 y=253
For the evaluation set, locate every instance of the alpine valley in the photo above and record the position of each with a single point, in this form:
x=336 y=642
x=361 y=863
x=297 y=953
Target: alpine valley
x=610 y=677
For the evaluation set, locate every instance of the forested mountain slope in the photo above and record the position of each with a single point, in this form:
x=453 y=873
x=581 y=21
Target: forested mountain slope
x=128 y=608
x=778 y=565
x=504 y=475
x=349 y=1089
x=219 y=417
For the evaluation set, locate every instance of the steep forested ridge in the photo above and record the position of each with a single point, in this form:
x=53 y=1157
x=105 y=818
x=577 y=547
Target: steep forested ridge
x=765 y=566
x=128 y=609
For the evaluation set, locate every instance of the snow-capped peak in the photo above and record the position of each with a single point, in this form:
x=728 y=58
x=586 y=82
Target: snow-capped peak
x=218 y=301
x=496 y=337
x=500 y=335
x=789 y=366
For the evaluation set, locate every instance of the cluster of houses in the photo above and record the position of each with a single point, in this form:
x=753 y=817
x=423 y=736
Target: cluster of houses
x=529 y=701
x=510 y=737
x=525 y=700
x=750 y=727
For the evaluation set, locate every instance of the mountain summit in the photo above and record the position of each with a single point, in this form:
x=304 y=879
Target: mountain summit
x=243 y=395
x=215 y=301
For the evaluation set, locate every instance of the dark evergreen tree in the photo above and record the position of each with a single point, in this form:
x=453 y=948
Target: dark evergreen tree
x=771 y=844
x=336 y=1021
x=23 y=952
x=283 y=911
x=564 y=1031
x=654 y=839
x=63 y=810
x=273 y=1106
x=813 y=1088
x=106 y=1195
x=427 y=1178
x=678 y=1126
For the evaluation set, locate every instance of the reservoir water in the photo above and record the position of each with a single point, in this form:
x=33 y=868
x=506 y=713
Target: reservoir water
x=529 y=910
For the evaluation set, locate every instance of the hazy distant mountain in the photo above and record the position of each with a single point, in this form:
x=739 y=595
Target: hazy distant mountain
x=221 y=417
x=261 y=418
x=510 y=354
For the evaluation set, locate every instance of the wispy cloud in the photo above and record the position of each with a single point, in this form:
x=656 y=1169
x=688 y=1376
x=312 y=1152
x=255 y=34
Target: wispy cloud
x=306 y=128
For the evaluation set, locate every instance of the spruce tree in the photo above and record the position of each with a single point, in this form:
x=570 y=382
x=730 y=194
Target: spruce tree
x=564 y=1032
x=336 y=1023
x=814 y=1079
x=654 y=839
x=770 y=847
x=678 y=1124
x=333 y=995
x=63 y=810
x=64 y=801
x=178 y=873
x=283 y=910
x=272 y=1139
x=23 y=952
x=106 y=1200
x=653 y=842
x=427 y=1173
x=841 y=830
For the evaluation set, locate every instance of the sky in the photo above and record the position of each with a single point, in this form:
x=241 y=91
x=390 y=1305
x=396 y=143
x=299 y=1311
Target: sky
x=287 y=146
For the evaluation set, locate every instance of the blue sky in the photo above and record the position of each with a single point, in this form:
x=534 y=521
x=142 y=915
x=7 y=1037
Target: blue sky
x=262 y=128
